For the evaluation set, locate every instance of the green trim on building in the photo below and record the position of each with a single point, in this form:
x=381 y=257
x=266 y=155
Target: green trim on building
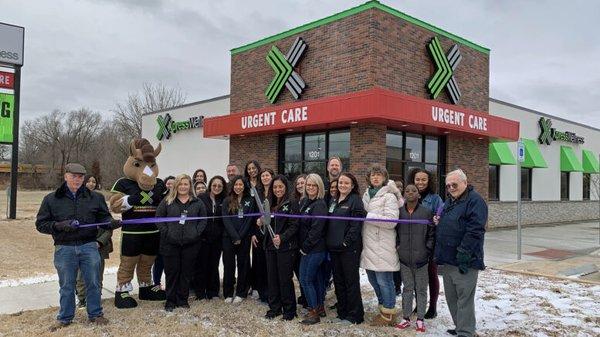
x=355 y=10
x=568 y=160
x=589 y=162
x=533 y=155
x=500 y=154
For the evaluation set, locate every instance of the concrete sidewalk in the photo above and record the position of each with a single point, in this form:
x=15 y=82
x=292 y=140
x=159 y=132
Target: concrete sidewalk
x=547 y=250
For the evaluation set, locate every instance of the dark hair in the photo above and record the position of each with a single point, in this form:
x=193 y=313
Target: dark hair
x=87 y=178
x=169 y=178
x=377 y=168
x=430 y=183
x=354 y=182
x=286 y=196
x=223 y=191
x=336 y=184
x=196 y=172
x=234 y=204
x=297 y=196
x=258 y=169
x=267 y=170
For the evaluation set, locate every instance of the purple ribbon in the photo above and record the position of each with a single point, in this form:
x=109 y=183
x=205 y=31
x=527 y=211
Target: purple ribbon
x=281 y=215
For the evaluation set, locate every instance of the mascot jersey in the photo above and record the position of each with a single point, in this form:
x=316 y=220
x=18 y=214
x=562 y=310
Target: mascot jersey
x=143 y=203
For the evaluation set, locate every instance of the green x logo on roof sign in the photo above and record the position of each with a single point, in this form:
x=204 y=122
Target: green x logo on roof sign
x=444 y=74
x=285 y=75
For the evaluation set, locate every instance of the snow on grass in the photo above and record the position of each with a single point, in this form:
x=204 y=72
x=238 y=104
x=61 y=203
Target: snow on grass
x=42 y=279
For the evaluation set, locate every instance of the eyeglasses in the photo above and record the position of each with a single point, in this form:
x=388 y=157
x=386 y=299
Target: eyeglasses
x=452 y=186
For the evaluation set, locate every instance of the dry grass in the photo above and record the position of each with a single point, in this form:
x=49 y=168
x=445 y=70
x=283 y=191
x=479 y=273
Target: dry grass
x=24 y=252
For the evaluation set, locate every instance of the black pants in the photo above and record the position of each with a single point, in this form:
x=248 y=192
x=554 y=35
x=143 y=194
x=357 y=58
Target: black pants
x=258 y=271
x=280 y=270
x=346 y=280
x=140 y=244
x=179 y=267
x=397 y=282
x=206 y=282
x=235 y=257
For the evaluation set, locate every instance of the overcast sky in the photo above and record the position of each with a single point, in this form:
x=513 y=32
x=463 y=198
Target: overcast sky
x=545 y=55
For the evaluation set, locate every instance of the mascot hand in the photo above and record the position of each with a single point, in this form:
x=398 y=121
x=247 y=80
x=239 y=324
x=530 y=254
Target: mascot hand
x=116 y=202
x=125 y=206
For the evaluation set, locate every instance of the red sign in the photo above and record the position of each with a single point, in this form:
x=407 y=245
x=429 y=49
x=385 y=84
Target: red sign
x=7 y=80
x=373 y=106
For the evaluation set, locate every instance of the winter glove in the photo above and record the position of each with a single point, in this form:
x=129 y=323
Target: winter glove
x=464 y=260
x=66 y=225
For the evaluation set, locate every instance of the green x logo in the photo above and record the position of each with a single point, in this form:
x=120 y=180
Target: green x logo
x=163 y=127
x=285 y=75
x=146 y=196
x=546 y=131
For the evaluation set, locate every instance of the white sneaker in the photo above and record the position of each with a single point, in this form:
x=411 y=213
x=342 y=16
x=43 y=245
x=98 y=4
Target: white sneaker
x=237 y=299
x=229 y=300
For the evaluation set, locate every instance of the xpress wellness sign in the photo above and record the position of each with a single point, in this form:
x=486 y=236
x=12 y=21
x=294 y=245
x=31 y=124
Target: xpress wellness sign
x=167 y=126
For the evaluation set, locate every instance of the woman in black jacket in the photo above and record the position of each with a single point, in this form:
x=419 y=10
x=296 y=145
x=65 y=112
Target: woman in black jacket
x=344 y=243
x=257 y=277
x=206 y=276
x=236 y=239
x=180 y=241
x=311 y=239
x=281 y=252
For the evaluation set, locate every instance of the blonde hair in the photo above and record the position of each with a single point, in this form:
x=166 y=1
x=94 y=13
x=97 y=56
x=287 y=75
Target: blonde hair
x=173 y=191
x=316 y=179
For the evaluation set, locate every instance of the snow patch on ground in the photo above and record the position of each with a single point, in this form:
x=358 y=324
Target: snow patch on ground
x=42 y=279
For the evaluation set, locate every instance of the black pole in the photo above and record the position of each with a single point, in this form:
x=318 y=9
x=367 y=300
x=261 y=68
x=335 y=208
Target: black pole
x=14 y=167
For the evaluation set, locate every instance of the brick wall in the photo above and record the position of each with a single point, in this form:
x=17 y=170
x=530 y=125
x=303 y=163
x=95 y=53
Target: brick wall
x=367 y=143
x=366 y=50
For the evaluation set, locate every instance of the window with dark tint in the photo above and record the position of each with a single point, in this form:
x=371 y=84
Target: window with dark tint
x=407 y=151
x=308 y=153
x=586 y=186
x=526 y=184
x=564 y=185
x=494 y=182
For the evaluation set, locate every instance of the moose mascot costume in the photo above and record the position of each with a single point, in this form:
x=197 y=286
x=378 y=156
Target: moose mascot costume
x=136 y=196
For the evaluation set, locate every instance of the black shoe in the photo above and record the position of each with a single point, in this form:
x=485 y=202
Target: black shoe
x=169 y=307
x=272 y=314
x=124 y=301
x=452 y=332
x=289 y=317
x=184 y=305
x=152 y=293
x=431 y=313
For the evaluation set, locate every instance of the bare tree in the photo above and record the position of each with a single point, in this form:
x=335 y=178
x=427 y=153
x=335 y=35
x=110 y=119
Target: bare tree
x=128 y=115
x=5 y=152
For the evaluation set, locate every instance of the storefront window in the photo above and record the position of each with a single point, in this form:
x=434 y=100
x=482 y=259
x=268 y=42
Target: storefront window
x=308 y=153
x=494 y=182
x=526 y=183
x=586 y=186
x=564 y=185
x=407 y=151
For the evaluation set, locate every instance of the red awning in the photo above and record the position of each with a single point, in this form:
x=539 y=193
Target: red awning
x=399 y=111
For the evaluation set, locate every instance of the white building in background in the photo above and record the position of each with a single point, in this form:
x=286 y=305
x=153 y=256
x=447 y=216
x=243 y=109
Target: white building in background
x=184 y=149
x=559 y=180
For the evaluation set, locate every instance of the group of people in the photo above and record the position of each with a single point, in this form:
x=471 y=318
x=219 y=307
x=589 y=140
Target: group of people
x=322 y=228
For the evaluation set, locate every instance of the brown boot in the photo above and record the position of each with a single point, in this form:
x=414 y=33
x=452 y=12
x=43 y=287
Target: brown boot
x=57 y=325
x=311 y=318
x=321 y=311
x=100 y=320
x=386 y=317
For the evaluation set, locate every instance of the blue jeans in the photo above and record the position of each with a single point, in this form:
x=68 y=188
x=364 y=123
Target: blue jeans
x=67 y=260
x=311 y=278
x=383 y=284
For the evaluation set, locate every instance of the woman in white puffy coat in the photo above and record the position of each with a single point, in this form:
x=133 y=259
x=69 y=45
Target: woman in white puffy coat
x=379 y=256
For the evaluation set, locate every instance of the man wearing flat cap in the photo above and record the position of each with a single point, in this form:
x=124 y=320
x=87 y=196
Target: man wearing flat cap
x=63 y=214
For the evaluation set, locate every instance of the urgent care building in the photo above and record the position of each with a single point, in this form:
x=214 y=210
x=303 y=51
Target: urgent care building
x=370 y=85
x=374 y=85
